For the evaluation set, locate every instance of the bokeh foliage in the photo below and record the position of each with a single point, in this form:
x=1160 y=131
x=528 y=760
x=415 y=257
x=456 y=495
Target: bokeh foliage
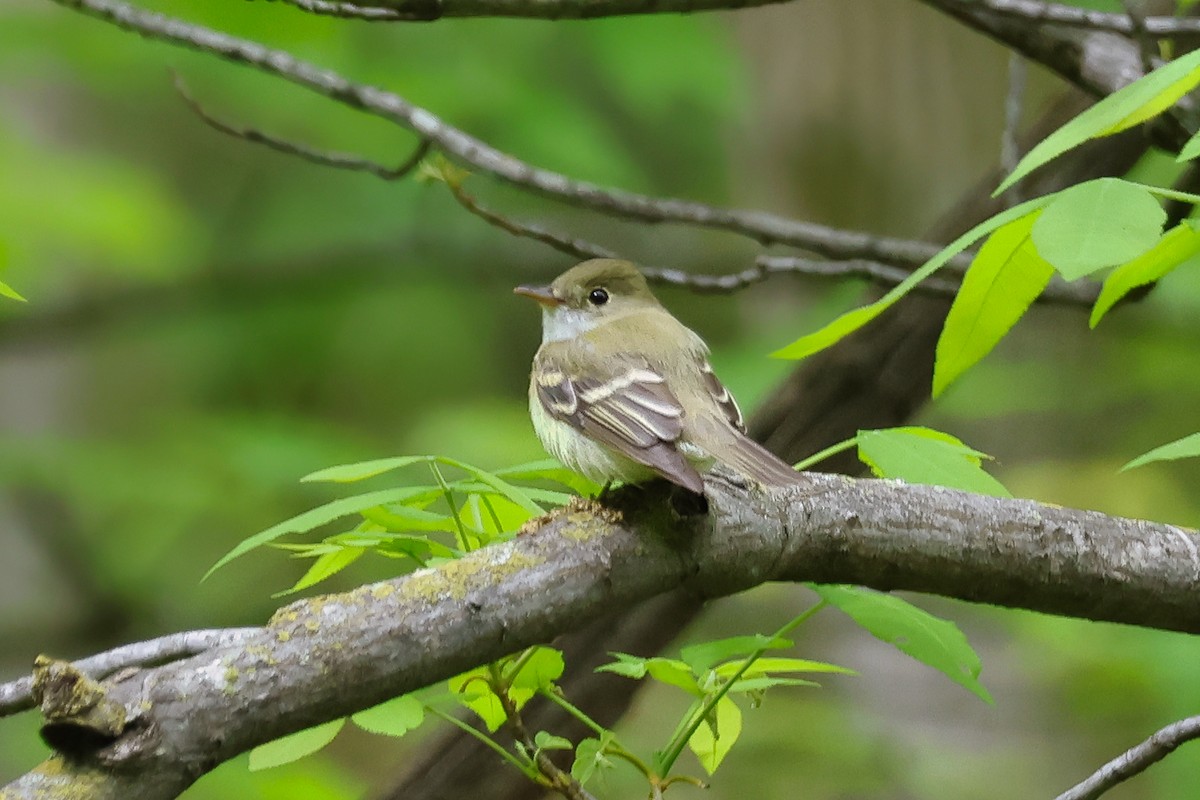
x=208 y=321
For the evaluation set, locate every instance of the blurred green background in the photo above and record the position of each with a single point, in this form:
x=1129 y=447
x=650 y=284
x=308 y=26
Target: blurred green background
x=208 y=321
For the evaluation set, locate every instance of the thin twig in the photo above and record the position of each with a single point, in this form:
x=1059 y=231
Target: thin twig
x=572 y=246
x=326 y=158
x=1135 y=760
x=562 y=782
x=16 y=696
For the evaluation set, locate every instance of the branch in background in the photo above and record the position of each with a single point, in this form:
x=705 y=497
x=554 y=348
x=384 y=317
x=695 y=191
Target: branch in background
x=1059 y=291
x=428 y=10
x=414 y=11
x=322 y=157
x=1027 y=11
x=1135 y=760
x=184 y=718
x=17 y=695
x=1064 y=14
x=760 y=226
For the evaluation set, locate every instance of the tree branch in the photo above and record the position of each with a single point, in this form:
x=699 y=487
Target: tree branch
x=1135 y=760
x=761 y=226
x=1027 y=11
x=326 y=657
x=428 y=10
x=18 y=695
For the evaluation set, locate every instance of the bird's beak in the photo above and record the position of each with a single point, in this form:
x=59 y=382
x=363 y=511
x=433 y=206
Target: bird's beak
x=543 y=294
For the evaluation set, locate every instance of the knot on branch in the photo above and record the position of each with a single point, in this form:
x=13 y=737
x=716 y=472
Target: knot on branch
x=79 y=716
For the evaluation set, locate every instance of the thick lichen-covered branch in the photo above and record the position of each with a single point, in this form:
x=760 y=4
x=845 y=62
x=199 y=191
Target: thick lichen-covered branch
x=330 y=656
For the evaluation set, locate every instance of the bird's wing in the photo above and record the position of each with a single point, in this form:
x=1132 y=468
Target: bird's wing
x=725 y=401
x=629 y=409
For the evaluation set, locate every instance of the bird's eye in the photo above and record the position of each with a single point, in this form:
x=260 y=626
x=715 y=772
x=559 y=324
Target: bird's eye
x=598 y=296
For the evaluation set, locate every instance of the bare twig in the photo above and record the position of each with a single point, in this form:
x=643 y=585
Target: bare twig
x=323 y=157
x=17 y=695
x=1135 y=760
x=761 y=226
x=572 y=246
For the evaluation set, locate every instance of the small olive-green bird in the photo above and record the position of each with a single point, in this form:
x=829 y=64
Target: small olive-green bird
x=621 y=390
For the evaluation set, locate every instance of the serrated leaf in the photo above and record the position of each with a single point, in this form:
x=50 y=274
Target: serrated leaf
x=702 y=656
x=766 y=665
x=673 y=673
x=395 y=717
x=1175 y=247
x=1129 y=106
x=1098 y=224
x=764 y=682
x=713 y=740
x=472 y=691
x=924 y=456
x=313 y=518
x=1187 y=447
x=540 y=670
x=548 y=741
x=917 y=633
x=626 y=666
x=1004 y=279
x=589 y=756
x=853 y=320
x=327 y=564
x=294 y=747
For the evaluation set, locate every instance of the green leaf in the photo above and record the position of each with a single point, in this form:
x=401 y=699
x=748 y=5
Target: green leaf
x=765 y=665
x=518 y=496
x=543 y=740
x=472 y=690
x=1187 y=447
x=312 y=519
x=664 y=670
x=1173 y=249
x=395 y=717
x=348 y=473
x=550 y=470
x=925 y=456
x=294 y=747
x=626 y=666
x=1129 y=106
x=764 y=682
x=589 y=756
x=8 y=291
x=1097 y=224
x=702 y=656
x=673 y=673
x=933 y=641
x=327 y=564
x=713 y=740
x=1005 y=277
x=540 y=670
x=402 y=517
x=853 y=320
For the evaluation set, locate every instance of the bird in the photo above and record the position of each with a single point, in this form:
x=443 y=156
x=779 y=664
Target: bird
x=620 y=390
